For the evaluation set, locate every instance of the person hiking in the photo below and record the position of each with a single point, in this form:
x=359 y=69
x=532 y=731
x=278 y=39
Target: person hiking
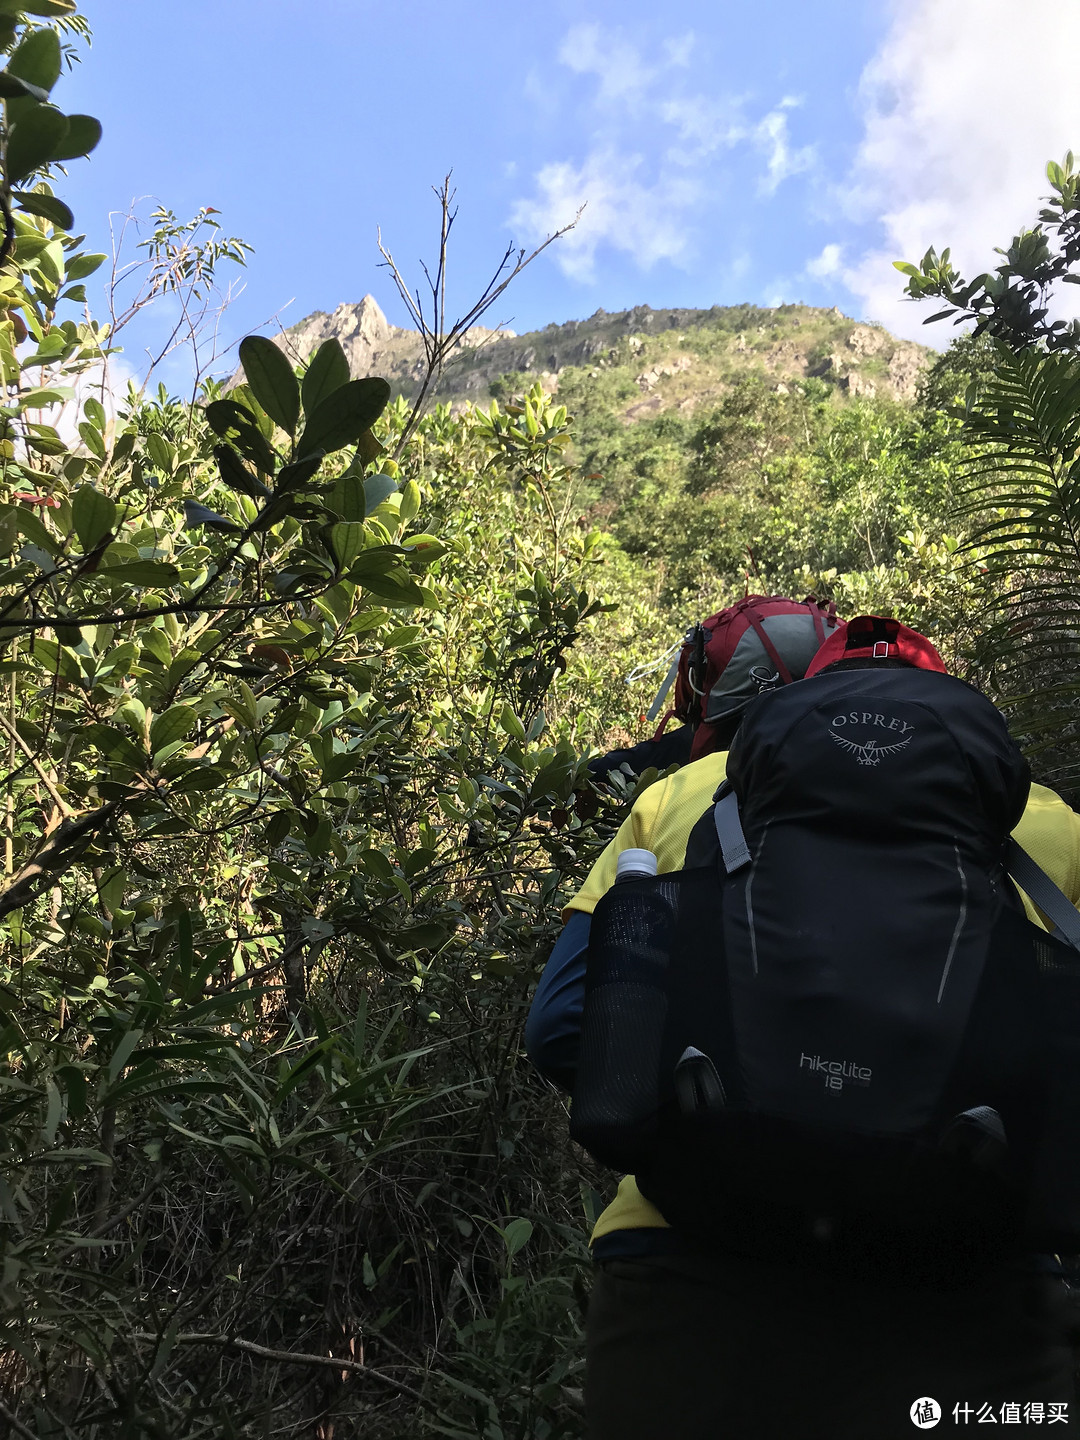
x=697 y=1332
x=717 y=669
x=722 y=664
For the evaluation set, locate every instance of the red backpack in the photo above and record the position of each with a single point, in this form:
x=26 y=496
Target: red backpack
x=757 y=643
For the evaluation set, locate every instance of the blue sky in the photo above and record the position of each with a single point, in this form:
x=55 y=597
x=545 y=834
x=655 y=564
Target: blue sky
x=724 y=152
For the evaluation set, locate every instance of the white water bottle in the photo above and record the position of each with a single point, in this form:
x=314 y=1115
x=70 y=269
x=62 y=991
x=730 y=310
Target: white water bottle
x=635 y=865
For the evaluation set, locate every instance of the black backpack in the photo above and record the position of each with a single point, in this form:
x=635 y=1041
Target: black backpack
x=834 y=1036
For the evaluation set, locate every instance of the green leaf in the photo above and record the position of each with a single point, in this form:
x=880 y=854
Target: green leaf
x=397 y=587
x=39 y=132
x=160 y=450
x=368 y=448
x=328 y=370
x=272 y=380
x=93 y=515
x=13 y=87
x=83 y=135
x=516 y=1234
x=176 y=724
x=155 y=645
x=245 y=709
x=48 y=207
x=292 y=477
x=424 y=548
x=378 y=488
x=410 y=501
x=347 y=498
x=92 y=439
x=37 y=57
x=143 y=573
x=236 y=475
x=423 y=937
x=50 y=8
x=80 y=267
x=123 y=1052
x=511 y=725
x=43 y=398
x=347 y=542
x=226 y=416
x=343 y=416
x=277 y=828
x=111 y=887
x=28 y=524
x=114 y=745
x=376 y=560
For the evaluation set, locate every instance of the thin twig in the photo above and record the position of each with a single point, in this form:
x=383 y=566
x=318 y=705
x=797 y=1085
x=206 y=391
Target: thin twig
x=292 y=1357
x=16 y=1425
x=438 y=342
x=58 y=800
x=111 y=1223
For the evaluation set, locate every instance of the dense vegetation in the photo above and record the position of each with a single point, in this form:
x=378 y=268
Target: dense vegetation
x=295 y=707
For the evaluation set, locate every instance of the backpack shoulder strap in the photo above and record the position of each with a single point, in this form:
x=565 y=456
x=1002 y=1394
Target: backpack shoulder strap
x=1041 y=891
x=720 y=823
x=767 y=645
x=729 y=830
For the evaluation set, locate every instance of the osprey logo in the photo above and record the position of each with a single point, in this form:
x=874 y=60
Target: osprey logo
x=871 y=751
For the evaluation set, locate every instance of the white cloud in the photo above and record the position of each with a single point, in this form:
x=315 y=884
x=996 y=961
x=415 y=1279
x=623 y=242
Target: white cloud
x=781 y=160
x=105 y=381
x=589 y=50
x=960 y=117
x=822 y=266
x=703 y=125
x=649 y=164
x=640 y=217
x=680 y=49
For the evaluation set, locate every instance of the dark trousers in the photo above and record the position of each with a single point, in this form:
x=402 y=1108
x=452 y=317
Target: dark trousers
x=708 y=1348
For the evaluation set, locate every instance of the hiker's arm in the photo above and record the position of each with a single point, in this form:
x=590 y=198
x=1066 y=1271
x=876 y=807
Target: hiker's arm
x=552 y=1029
x=1050 y=832
x=671 y=748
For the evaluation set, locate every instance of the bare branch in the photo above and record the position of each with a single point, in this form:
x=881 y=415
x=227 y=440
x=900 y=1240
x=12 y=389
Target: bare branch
x=58 y=800
x=16 y=1425
x=59 y=852
x=293 y=1357
x=438 y=341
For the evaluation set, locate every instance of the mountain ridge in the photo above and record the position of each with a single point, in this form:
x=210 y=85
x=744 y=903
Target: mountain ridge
x=676 y=357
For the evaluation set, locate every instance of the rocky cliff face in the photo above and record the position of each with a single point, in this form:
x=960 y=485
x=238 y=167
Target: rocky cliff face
x=679 y=358
x=372 y=345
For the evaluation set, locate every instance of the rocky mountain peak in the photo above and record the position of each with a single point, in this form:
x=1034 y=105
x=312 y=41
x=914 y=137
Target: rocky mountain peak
x=680 y=358
x=363 y=331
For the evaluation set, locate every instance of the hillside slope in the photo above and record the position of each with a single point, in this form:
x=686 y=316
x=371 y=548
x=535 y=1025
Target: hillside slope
x=676 y=359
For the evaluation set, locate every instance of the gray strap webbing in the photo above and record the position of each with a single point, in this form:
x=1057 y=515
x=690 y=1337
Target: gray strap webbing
x=661 y=694
x=729 y=832
x=1041 y=891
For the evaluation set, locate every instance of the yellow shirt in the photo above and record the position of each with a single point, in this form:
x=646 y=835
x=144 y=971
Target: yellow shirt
x=667 y=811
